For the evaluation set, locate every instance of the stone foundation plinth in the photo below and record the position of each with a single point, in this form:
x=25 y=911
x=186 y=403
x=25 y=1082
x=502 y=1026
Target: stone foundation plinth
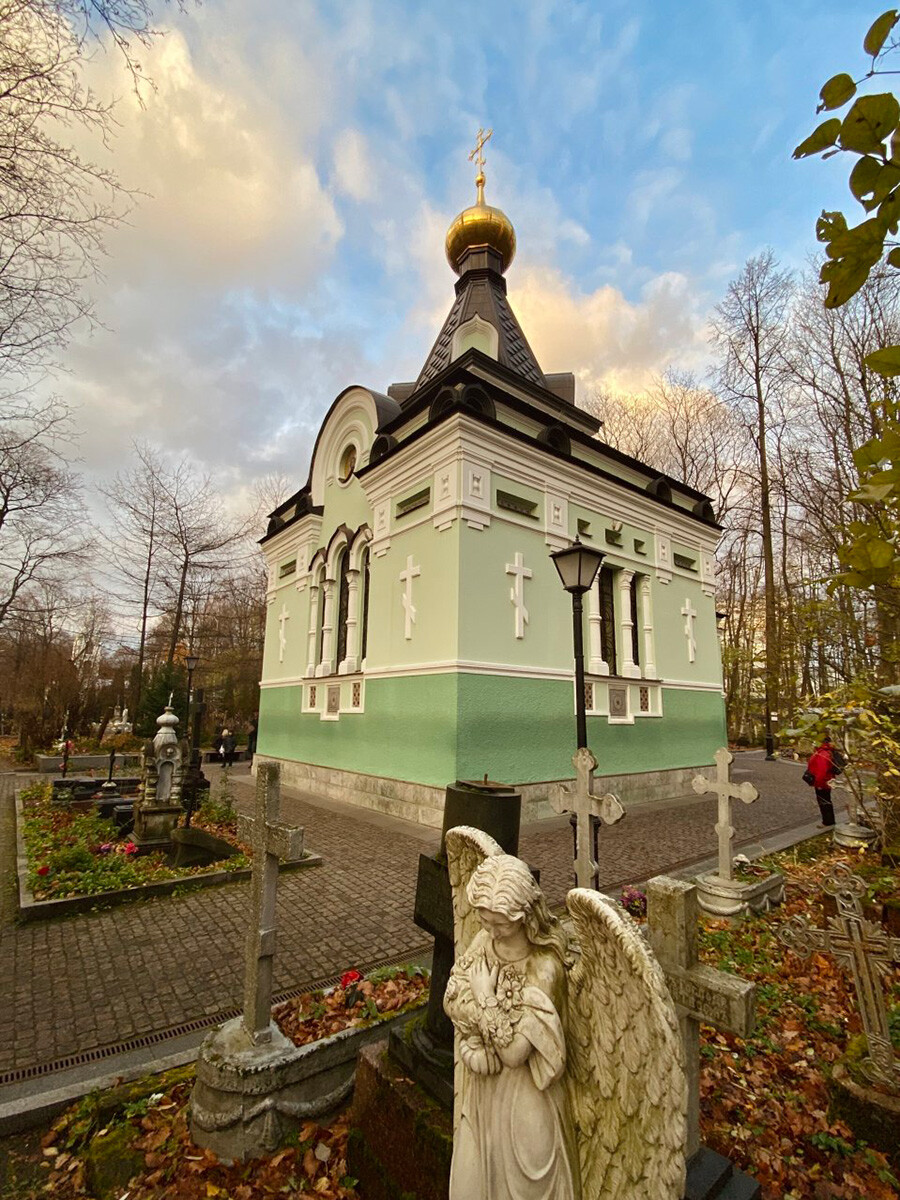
x=424 y=803
x=736 y=898
x=401 y=1142
x=854 y=837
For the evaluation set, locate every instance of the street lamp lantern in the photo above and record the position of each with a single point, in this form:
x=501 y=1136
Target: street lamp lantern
x=191 y=663
x=577 y=566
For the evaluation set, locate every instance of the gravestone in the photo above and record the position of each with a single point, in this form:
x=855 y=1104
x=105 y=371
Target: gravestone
x=867 y=950
x=588 y=810
x=425 y=1048
x=158 y=807
x=246 y=1101
x=719 y=892
x=701 y=994
x=197 y=848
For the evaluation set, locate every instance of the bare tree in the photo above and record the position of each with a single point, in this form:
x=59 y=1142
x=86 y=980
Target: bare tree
x=41 y=516
x=751 y=333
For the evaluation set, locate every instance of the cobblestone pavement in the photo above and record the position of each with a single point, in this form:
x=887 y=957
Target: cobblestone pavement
x=78 y=983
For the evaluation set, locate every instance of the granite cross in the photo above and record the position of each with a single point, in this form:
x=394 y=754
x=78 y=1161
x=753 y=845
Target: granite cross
x=726 y=791
x=283 y=617
x=581 y=800
x=868 y=951
x=690 y=614
x=517 y=591
x=409 y=609
x=270 y=841
x=700 y=993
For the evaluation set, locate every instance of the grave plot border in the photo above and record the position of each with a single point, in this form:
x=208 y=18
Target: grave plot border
x=42 y=910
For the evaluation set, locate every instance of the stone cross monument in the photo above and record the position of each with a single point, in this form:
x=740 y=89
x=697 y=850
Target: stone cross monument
x=271 y=841
x=587 y=807
x=721 y=893
x=868 y=951
x=701 y=994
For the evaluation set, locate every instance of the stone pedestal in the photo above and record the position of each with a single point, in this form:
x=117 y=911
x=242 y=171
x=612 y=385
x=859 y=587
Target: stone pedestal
x=872 y=1115
x=401 y=1141
x=855 y=837
x=249 y=1097
x=736 y=898
x=156 y=823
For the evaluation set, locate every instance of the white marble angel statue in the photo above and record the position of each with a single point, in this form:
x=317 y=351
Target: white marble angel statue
x=569 y=1076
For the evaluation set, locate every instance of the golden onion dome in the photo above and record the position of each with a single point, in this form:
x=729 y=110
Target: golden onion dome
x=481 y=225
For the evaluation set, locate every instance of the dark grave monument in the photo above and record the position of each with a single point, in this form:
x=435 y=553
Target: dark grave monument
x=404 y=1085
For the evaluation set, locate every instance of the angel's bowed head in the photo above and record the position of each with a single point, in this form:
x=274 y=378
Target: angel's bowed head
x=569 y=1077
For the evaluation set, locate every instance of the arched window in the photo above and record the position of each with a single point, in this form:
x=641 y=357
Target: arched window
x=320 y=622
x=364 y=576
x=607 y=619
x=635 y=625
x=343 y=602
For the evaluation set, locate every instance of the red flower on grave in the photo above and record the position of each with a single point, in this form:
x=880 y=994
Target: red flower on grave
x=350 y=977
x=129 y=848
x=43 y=870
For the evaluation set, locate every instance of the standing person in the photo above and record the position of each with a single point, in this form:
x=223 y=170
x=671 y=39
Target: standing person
x=251 y=737
x=824 y=764
x=228 y=747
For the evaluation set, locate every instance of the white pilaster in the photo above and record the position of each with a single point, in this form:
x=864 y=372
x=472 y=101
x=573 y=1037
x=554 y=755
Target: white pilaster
x=596 y=664
x=326 y=666
x=351 y=662
x=629 y=667
x=313 y=627
x=647 y=621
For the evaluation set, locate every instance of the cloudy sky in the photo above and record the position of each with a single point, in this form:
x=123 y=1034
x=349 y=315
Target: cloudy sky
x=299 y=163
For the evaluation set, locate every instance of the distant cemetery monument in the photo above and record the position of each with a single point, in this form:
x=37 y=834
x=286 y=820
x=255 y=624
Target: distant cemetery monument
x=416 y=630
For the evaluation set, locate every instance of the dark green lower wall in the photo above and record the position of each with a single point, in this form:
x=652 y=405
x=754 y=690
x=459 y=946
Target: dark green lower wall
x=436 y=728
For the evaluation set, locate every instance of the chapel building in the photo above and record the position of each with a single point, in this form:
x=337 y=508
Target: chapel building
x=417 y=632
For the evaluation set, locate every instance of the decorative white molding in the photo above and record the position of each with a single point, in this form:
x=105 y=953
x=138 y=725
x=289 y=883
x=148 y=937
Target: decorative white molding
x=478 y=333
x=407 y=576
x=630 y=668
x=690 y=615
x=520 y=572
x=663 y=557
x=283 y=617
x=326 y=666
x=596 y=663
x=556 y=520
x=471 y=667
x=446 y=496
x=708 y=573
x=381 y=528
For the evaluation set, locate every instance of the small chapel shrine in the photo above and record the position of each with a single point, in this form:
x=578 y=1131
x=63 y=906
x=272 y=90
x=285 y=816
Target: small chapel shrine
x=417 y=632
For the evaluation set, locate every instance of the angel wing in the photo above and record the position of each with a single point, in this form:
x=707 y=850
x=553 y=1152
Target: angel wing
x=626 y=1062
x=467 y=848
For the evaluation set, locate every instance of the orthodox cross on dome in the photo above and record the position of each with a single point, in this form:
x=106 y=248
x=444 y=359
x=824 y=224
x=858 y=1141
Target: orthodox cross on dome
x=517 y=591
x=690 y=615
x=868 y=951
x=271 y=841
x=726 y=791
x=702 y=994
x=283 y=617
x=409 y=609
x=477 y=156
x=588 y=808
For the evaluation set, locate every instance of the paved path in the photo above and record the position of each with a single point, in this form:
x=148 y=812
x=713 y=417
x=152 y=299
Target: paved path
x=76 y=984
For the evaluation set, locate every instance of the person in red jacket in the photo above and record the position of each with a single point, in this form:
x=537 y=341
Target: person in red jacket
x=824 y=764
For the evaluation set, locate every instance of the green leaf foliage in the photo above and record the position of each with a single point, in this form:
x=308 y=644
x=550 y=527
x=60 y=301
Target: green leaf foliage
x=878 y=32
x=884 y=362
x=871 y=181
x=820 y=139
x=869 y=122
x=837 y=91
x=851 y=252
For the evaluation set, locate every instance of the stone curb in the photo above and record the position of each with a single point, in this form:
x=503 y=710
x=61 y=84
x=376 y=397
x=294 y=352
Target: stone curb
x=42 y=910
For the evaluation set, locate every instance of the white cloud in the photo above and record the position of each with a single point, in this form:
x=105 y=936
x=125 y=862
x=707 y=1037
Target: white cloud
x=354 y=171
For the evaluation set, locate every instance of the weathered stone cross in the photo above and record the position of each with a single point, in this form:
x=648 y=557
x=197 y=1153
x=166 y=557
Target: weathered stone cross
x=690 y=614
x=283 y=617
x=270 y=840
x=580 y=799
x=701 y=994
x=726 y=791
x=409 y=609
x=517 y=591
x=867 y=950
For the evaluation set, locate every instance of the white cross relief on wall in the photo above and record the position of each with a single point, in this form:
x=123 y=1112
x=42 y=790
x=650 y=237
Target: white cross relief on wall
x=283 y=617
x=517 y=591
x=409 y=609
x=690 y=615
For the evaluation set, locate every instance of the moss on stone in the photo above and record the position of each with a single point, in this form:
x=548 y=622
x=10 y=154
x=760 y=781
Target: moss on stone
x=110 y=1161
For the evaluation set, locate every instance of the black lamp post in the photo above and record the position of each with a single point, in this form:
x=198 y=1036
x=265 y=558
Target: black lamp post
x=190 y=662
x=577 y=566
